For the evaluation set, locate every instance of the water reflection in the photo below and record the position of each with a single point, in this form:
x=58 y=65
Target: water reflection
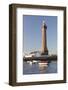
x=39 y=67
x=42 y=66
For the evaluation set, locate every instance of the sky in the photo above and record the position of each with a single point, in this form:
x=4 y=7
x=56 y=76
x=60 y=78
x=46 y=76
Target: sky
x=32 y=36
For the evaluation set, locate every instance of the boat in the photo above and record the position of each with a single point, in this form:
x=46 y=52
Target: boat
x=43 y=63
x=35 y=61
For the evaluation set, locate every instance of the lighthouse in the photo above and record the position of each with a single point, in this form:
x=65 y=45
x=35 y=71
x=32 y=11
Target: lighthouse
x=44 y=50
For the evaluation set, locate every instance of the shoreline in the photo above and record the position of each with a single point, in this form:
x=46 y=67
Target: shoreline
x=49 y=58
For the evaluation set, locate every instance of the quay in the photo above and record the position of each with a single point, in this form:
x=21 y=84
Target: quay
x=49 y=58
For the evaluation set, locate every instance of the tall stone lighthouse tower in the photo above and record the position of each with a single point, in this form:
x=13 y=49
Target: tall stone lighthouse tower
x=44 y=50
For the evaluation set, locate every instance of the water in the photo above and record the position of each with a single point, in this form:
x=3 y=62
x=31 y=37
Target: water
x=38 y=68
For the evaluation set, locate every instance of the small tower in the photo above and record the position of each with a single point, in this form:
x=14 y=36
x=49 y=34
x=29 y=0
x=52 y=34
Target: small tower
x=44 y=50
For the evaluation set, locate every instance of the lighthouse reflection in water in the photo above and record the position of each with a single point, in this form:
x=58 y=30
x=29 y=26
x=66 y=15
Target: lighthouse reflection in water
x=39 y=67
